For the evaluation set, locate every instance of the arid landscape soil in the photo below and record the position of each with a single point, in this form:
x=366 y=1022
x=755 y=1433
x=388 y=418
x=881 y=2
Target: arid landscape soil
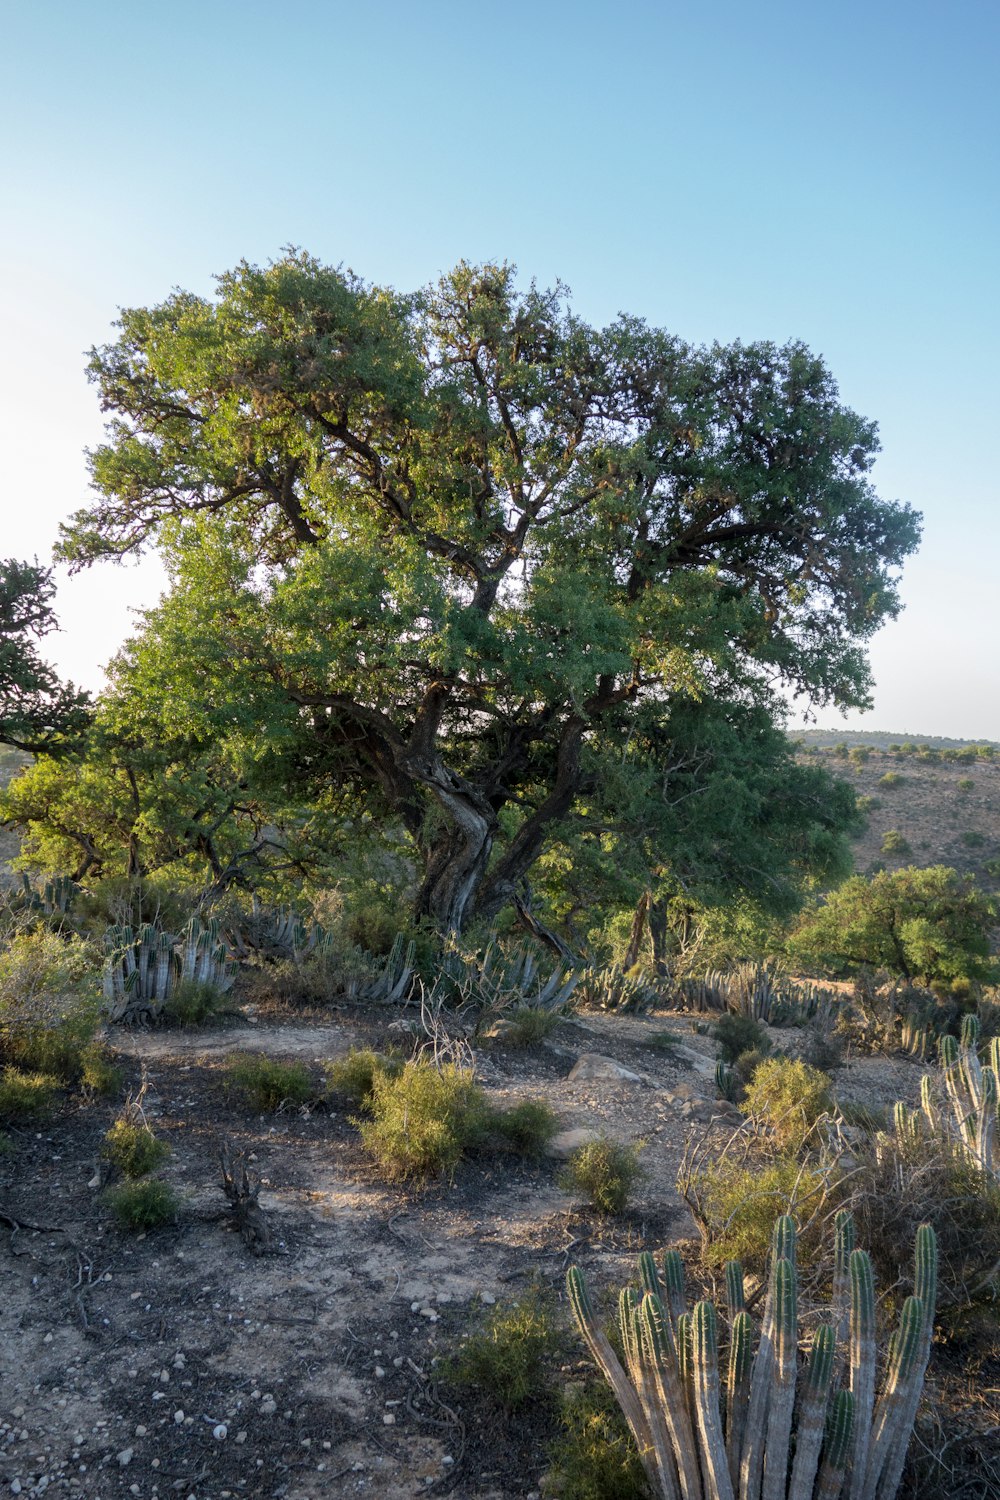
x=178 y=1363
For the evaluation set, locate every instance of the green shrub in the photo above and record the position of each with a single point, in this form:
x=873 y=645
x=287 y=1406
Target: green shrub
x=527 y=1127
x=735 y=1204
x=423 y=1120
x=508 y=1356
x=893 y=842
x=965 y=784
x=788 y=1096
x=606 y=1171
x=49 y=1002
x=973 y=839
x=100 y=1073
x=661 y=1041
x=132 y=1147
x=354 y=1075
x=26 y=1096
x=891 y=779
x=265 y=1083
x=596 y=1457
x=527 y=1026
x=192 y=1003
x=737 y=1034
x=143 y=1205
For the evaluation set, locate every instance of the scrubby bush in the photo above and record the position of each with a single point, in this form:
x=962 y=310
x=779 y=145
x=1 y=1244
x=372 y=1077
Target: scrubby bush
x=132 y=1148
x=788 y=1097
x=893 y=842
x=605 y=1171
x=141 y=1205
x=353 y=1075
x=508 y=1357
x=26 y=1096
x=663 y=1042
x=527 y=1026
x=423 y=1118
x=527 y=1127
x=596 y=1458
x=891 y=779
x=972 y=839
x=100 y=1073
x=737 y=1034
x=734 y=1204
x=49 y=1002
x=265 y=1083
x=192 y=1003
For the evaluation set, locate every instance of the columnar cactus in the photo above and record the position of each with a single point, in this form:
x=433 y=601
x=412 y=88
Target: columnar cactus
x=972 y=1091
x=144 y=965
x=698 y=1441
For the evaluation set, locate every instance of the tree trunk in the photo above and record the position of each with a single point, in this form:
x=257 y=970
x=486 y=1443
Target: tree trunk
x=658 y=936
x=457 y=857
x=642 y=912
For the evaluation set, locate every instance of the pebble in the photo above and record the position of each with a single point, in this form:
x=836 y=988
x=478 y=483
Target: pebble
x=125 y=1456
x=241 y=1436
x=269 y=1406
x=179 y=1415
x=389 y=1419
x=141 y=1430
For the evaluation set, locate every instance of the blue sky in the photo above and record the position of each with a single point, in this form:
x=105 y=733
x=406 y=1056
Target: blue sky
x=825 y=173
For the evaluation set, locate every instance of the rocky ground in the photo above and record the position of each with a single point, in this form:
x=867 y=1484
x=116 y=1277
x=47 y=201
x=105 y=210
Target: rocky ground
x=178 y=1364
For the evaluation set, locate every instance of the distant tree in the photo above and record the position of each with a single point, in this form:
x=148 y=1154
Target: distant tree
x=37 y=711
x=441 y=552
x=931 y=925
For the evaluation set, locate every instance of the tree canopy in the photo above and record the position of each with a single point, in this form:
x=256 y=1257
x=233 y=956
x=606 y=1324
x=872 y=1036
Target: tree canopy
x=931 y=925
x=445 y=560
x=37 y=711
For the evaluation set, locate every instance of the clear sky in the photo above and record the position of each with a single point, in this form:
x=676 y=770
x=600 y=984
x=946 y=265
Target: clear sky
x=727 y=170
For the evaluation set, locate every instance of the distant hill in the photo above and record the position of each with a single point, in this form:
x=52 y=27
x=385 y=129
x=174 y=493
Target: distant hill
x=881 y=738
x=935 y=802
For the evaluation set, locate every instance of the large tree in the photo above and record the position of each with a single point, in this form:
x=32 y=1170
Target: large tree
x=37 y=711
x=439 y=551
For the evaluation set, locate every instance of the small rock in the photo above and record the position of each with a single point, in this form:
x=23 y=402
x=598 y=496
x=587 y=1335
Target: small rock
x=141 y=1430
x=593 y=1065
x=125 y=1456
x=488 y=1298
x=389 y=1419
x=241 y=1436
x=563 y=1145
x=269 y=1406
x=179 y=1415
x=379 y=1373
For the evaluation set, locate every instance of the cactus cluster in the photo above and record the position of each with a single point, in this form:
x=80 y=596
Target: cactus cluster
x=760 y=992
x=145 y=964
x=714 y=1429
x=54 y=899
x=963 y=1106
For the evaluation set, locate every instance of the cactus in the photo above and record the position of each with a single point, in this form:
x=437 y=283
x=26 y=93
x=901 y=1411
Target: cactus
x=144 y=965
x=971 y=1088
x=695 y=1445
x=726 y=1081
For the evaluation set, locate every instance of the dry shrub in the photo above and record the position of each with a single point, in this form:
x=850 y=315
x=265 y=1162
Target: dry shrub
x=789 y=1098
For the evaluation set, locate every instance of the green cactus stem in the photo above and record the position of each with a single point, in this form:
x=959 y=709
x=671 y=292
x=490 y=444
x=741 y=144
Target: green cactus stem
x=812 y=1413
x=862 y=1365
x=738 y=1389
x=705 y=1365
x=837 y=1451
x=735 y=1296
x=782 y=1403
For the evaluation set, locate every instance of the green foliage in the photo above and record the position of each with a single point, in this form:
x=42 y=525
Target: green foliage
x=596 y=1457
x=508 y=1357
x=788 y=1097
x=973 y=839
x=37 y=711
x=891 y=779
x=193 y=1002
x=353 y=1075
x=26 y=1096
x=526 y=1128
x=893 y=842
x=527 y=1026
x=931 y=925
x=48 y=1002
x=683 y=523
x=737 y=1034
x=606 y=1172
x=965 y=784
x=101 y=1074
x=144 y=1204
x=664 y=1042
x=266 y=1083
x=735 y=1205
x=424 y=1120
x=132 y=1148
